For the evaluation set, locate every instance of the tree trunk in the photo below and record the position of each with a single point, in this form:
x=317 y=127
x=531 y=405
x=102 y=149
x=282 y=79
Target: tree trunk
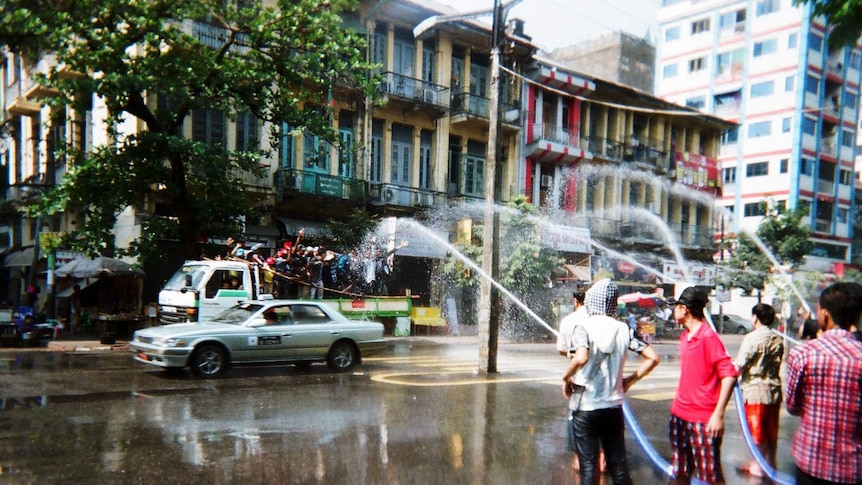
x=187 y=222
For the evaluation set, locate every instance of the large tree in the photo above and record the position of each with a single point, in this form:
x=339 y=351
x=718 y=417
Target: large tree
x=782 y=235
x=843 y=16
x=155 y=64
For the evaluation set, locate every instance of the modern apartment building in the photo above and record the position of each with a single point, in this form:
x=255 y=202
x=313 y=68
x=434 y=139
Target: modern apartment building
x=604 y=147
x=766 y=65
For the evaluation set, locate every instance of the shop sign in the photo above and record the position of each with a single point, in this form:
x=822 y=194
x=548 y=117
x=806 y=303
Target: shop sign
x=695 y=274
x=567 y=239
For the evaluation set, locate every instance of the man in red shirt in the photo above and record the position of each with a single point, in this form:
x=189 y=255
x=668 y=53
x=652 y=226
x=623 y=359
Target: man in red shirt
x=707 y=377
x=824 y=386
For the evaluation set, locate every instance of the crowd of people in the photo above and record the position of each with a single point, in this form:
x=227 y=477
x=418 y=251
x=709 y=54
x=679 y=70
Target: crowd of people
x=315 y=272
x=823 y=387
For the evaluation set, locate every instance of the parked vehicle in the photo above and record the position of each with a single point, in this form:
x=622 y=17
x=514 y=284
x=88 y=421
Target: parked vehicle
x=272 y=331
x=733 y=324
x=200 y=290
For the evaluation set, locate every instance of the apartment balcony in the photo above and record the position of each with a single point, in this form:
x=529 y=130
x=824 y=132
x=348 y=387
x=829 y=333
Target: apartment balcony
x=293 y=182
x=29 y=190
x=256 y=182
x=415 y=93
x=399 y=195
x=474 y=112
x=692 y=236
x=555 y=144
x=825 y=186
x=823 y=226
x=640 y=233
x=647 y=154
x=214 y=36
x=835 y=68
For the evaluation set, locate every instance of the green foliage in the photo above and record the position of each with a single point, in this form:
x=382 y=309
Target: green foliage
x=844 y=18
x=525 y=262
x=350 y=234
x=783 y=235
x=151 y=66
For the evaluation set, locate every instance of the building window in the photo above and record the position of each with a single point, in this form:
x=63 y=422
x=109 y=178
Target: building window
x=730 y=136
x=812 y=84
x=285 y=152
x=757 y=169
x=781 y=206
x=806 y=167
x=425 y=159
x=753 y=209
x=785 y=125
x=792 y=40
x=671 y=70
x=762 y=89
x=783 y=165
x=474 y=169
x=848 y=138
x=672 y=33
x=842 y=215
x=766 y=47
x=697 y=64
x=697 y=103
x=789 y=82
x=376 y=165
x=315 y=150
x=402 y=154
x=815 y=42
x=845 y=177
x=762 y=128
x=347 y=150
x=809 y=126
x=854 y=60
x=247 y=137
x=764 y=7
x=733 y=19
x=729 y=175
x=699 y=26
x=850 y=99
x=208 y=126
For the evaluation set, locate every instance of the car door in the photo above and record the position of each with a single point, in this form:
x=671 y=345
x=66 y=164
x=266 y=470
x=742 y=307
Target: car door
x=312 y=332
x=270 y=342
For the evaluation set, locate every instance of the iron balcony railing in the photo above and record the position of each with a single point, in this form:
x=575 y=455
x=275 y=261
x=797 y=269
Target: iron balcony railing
x=480 y=107
x=417 y=90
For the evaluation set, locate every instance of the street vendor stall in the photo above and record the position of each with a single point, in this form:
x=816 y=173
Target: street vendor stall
x=103 y=294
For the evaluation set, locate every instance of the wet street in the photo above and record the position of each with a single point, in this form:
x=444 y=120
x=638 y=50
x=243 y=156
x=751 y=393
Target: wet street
x=419 y=413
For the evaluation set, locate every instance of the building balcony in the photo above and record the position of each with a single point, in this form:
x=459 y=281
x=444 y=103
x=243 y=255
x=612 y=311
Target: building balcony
x=555 y=144
x=648 y=154
x=295 y=181
x=415 y=93
x=399 y=195
x=256 y=182
x=472 y=111
x=215 y=36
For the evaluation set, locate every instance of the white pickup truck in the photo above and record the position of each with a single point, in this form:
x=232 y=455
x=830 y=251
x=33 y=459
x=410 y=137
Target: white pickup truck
x=200 y=290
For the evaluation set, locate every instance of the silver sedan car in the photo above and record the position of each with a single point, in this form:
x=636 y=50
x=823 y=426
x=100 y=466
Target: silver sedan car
x=271 y=331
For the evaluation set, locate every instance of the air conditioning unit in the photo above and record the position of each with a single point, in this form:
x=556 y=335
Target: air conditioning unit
x=429 y=96
x=547 y=180
x=388 y=194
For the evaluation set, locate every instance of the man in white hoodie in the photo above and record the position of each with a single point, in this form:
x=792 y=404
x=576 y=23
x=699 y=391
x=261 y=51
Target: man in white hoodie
x=594 y=383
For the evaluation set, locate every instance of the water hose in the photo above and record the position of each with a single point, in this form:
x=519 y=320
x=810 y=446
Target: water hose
x=771 y=473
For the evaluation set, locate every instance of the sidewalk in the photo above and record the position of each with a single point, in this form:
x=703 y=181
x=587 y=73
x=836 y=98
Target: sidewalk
x=72 y=343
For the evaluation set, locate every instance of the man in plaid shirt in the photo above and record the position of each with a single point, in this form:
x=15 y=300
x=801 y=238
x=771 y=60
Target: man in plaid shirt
x=824 y=388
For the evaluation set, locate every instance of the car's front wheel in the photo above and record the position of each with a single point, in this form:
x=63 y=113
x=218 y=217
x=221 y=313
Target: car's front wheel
x=740 y=330
x=208 y=361
x=342 y=356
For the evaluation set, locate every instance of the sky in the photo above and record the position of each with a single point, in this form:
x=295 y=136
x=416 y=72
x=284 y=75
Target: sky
x=558 y=23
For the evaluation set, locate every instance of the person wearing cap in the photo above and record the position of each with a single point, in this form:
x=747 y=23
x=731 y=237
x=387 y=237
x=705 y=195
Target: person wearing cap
x=824 y=385
x=595 y=386
x=707 y=377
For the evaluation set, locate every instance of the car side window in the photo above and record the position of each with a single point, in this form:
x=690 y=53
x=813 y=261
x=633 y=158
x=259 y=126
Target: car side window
x=220 y=279
x=308 y=314
x=281 y=315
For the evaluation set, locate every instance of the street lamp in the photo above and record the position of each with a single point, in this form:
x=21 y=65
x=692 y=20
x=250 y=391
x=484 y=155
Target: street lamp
x=489 y=314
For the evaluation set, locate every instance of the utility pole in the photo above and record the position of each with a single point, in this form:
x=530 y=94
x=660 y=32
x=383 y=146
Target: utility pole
x=489 y=298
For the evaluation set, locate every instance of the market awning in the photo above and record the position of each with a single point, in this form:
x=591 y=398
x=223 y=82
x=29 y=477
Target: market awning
x=81 y=286
x=581 y=273
x=19 y=258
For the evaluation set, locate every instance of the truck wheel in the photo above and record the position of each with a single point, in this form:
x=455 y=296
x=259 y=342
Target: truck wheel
x=208 y=361
x=342 y=356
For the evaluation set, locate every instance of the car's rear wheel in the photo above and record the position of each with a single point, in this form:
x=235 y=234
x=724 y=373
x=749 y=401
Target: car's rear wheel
x=208 y=361
x=740 y=330
x=342 y=356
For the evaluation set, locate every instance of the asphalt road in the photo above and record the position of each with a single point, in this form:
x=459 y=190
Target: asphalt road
x=419 y=413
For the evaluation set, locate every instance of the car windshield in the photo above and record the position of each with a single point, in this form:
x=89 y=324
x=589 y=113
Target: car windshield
x=178 y=280
x=238 y=314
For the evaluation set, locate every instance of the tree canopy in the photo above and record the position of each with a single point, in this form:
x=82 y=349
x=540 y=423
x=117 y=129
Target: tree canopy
x=785 y=238
x=157 y=64
x=843 y=16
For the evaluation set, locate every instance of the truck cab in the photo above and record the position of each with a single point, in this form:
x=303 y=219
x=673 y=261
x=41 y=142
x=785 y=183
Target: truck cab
x=200 y=290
